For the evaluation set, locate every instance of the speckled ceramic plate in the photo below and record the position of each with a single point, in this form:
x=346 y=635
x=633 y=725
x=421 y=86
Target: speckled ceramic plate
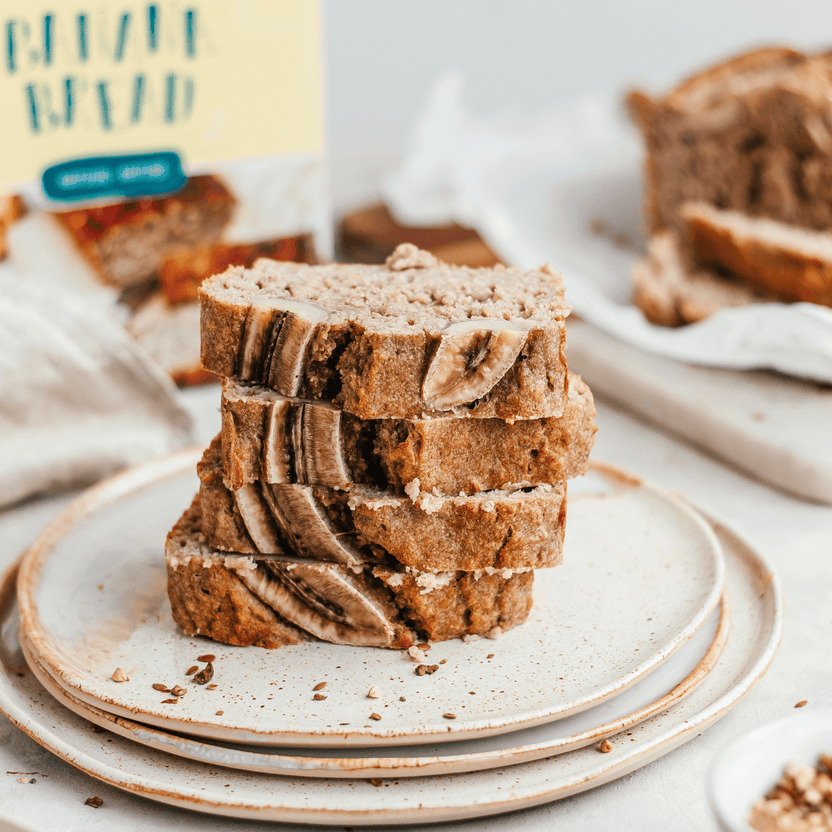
x=752 y=642
x=642 y=572
x=670 y=683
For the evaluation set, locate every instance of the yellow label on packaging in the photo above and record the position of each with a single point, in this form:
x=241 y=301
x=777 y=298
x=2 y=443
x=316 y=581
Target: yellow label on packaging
x=206 y=79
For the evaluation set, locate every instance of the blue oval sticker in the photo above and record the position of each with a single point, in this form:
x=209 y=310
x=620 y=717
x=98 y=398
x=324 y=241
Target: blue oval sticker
x=130 y=177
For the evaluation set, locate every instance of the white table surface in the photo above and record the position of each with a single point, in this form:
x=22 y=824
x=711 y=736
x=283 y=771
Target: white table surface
x=667 y=794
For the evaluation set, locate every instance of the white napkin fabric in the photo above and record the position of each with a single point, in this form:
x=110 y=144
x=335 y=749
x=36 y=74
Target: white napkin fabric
x=79 y=399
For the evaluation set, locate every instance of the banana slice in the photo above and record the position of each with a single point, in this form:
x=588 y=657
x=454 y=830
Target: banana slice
x=274 y=343
x=471 y=358
x=321 y=599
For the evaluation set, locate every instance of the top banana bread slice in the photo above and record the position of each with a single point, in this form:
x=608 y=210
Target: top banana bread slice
x=409 y=338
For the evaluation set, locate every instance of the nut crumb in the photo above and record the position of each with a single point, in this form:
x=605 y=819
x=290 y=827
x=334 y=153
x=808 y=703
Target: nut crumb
x=490 y=656
x=120 y=676
x=444 y=661
x=192 y=669
x=375 y=781
x=218 y=713
x=423 y=645
x=449 y=716
x=802 y=703
x=204 y=675
x=374 y=692
x=211 y=687
x=206 y=657
x=375 y=716
x=416 y=654
x=319 y=697
x=95 y=801
x=160 y=687
x=426 y=669
x=176 y=690
x=319 y=686
x=26 y=780
x=172 y=701
x=605 y=747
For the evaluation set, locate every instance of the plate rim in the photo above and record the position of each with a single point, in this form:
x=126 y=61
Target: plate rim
x=668 y=739
x=365 y=767
x=141 y=477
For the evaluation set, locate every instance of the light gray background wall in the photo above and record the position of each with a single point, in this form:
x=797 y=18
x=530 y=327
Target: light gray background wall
x=383 y=57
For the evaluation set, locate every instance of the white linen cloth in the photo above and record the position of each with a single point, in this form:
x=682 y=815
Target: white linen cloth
x=79 y=398
x=532 y=188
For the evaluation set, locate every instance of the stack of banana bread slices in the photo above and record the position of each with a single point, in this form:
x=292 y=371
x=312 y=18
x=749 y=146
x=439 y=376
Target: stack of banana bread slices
x=393 y=458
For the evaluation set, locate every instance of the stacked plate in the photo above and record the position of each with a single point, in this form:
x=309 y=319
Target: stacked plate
x=656 y=624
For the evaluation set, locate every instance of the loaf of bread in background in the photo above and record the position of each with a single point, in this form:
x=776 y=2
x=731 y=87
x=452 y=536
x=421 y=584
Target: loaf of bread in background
x=738 y=181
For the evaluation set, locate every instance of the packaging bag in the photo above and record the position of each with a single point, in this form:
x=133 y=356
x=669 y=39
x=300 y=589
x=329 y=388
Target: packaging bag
x=148 y=145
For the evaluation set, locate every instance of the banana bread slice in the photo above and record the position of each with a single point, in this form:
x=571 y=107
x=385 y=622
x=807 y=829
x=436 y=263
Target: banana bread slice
x=397 y=341
x=670 y=290
x=272 y=601
x=795 y=263
x=520 y=529
x=266 y=436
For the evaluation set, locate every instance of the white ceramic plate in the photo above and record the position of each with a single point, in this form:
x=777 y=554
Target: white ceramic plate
x=750 y=766
x=642 y=572
x=674 y=680
x=753 y=638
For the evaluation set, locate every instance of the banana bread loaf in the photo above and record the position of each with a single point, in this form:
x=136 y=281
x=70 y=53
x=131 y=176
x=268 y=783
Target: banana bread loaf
x=398 y=341
x=752 y=134
x=272 y=601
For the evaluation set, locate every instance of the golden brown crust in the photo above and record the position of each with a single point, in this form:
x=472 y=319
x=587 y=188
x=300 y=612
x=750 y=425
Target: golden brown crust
x=714 y=77
x=670 y=291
